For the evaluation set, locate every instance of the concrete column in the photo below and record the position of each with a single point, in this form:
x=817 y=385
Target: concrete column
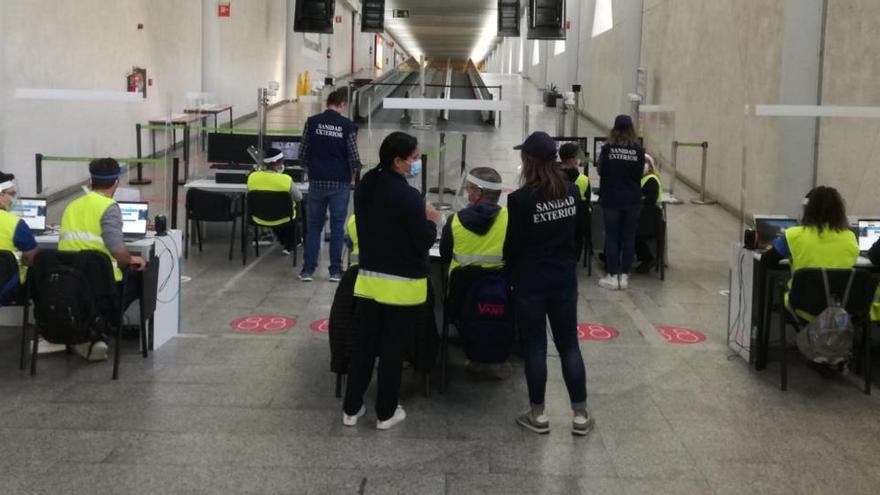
x=632 y=49
x=800 y=84
x=210 y=44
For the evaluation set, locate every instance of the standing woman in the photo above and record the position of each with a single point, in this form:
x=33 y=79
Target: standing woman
x=395 y=230
x=540 y=255
x=621 y=163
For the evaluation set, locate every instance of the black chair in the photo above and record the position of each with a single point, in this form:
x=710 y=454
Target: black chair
x=459 y=281
x=652 y=225
x=270 y=206
x=12 y=293
x=108 y=299
x=807 y=294
x=207 y=206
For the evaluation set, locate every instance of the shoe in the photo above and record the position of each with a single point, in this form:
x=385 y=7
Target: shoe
x=335 y=277
x=645 y=267
x=306 y=277
x=96 y=351
x=582 y=424
x=353 y=420
x=623 y=281
x=46 y=347
x=286 y=252
x=538 y=423
x=399 y=416
x=610 y=282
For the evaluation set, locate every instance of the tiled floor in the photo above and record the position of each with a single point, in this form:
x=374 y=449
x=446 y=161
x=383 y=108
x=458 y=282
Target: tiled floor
x=214 y=411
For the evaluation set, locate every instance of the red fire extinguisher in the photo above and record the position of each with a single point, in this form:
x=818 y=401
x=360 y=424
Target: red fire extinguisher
x=135 y=83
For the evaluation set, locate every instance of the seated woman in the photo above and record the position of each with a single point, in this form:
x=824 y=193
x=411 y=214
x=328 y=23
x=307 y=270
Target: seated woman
x=652 y=197
x=822 y=240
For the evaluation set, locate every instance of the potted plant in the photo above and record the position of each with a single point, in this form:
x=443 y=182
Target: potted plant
x=551 y=95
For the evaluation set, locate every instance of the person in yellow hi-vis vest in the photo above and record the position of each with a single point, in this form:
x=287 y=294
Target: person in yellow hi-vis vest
x=273 y=178
x=94 y=222
x=15 y=235
x=352 y=241
x=475 y=234
x=652 y=197
x=570 y=162
x=395 y=230
x=822 y=240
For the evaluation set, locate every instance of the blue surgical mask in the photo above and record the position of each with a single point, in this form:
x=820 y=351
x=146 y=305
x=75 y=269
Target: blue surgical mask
x=14 y=205
x=415 y=169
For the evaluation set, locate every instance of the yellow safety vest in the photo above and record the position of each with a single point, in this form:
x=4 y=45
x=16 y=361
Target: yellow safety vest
x=81 y=227
x=353 y=235
x=583 y=184
x=831 y=249
x=394 y=290
x=469 y=249
x=8 y=224
x=656 y=177
x=262 y=180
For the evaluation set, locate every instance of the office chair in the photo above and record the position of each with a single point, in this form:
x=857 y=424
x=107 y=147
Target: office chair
x=270 y=206
x=207 y=206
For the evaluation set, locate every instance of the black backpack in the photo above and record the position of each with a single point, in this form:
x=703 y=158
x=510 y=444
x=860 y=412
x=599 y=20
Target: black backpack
x=486 y=321
x=65 y=307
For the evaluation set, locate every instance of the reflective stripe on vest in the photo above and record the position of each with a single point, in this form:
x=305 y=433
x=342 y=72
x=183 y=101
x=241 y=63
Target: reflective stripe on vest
x=485 y=250
x=262 y=180
x=394 y=290
x=353 y=235
x=8 y=225
x=583 y=185
x=81 y=227
x=831 y=249
x=656 y=177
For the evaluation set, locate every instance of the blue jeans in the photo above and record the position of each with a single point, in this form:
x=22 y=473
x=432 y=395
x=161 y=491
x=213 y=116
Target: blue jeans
x=532 y=313
x=621 y=225
x=318 y=202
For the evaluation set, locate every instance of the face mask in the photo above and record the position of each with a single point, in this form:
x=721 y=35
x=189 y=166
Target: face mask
x=13 y=205
x=415 y=169
x=571 y=173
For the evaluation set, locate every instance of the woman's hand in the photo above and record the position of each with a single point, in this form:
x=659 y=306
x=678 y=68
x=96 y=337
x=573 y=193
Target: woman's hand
x=431 y=213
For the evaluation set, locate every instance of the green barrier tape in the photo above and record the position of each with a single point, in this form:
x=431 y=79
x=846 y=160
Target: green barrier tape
x=691 y=145
x=226 y=130
x=86 y=159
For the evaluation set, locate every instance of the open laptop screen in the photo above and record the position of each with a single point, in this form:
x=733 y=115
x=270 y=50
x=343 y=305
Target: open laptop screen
x=32 y=211
x=869 y=233
x=134 y=218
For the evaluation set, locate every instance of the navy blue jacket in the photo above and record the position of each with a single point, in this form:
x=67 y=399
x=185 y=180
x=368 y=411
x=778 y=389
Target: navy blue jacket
x=540 y=251
x=394 y=235
x=328 y=157
x=620 y=175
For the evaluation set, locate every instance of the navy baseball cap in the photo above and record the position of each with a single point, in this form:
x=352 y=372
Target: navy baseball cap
x=539 y=145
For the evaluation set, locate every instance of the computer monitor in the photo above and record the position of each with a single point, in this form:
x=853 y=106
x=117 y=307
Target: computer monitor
x=869 y=233
x=33 y=212
x=289 y=148
x=232 y=148
x=134 y=218
x=580 y=141
x=769 y=228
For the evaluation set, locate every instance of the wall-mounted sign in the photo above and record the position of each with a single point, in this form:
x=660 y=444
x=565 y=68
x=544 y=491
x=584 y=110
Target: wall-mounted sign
x=401 y=13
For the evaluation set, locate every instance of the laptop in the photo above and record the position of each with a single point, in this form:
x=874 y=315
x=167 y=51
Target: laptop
x=769 y=227
x=33 y=212
x=868 y=234
x=134 y=219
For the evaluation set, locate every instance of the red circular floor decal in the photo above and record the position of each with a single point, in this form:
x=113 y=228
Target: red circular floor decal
x=677 y=335
x=595 y=331
x=262 y=324
x=320 y=326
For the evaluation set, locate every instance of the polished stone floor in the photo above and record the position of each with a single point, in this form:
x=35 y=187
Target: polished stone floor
x=218 y=411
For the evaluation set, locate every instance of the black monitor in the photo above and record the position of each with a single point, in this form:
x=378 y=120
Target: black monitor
x=232 y=148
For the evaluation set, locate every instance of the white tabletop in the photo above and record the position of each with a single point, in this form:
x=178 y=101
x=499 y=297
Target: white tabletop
x=146 y=242
x=212 y=185
x=668 y=198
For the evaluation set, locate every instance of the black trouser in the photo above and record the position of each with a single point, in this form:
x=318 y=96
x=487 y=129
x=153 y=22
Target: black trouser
x=285 y=235
x=381 y=331
x=643 y=250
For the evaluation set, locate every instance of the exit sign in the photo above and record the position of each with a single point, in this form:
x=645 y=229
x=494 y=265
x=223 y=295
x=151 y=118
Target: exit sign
x=401 y=13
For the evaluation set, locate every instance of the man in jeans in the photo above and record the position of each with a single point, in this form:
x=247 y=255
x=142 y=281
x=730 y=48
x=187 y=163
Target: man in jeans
x=329 y=151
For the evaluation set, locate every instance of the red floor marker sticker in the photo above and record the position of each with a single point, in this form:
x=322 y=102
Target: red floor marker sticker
x=262 y=324
x=320 y=326
x=677 y=335
x=595 y=331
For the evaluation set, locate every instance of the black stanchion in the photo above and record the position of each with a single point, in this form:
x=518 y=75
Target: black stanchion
x=175 y=172
x=38 y=169
x=424 y=175
x=139 y=181
x=463 y=153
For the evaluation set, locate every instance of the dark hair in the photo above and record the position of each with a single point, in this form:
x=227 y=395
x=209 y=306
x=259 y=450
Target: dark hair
x=488 y=174
x=103 y=167
x=4 y=177
x=396 y=145
x=543 y=176
x=825 y=209
x=337 y=97
x=568 y=150
x=623 y=133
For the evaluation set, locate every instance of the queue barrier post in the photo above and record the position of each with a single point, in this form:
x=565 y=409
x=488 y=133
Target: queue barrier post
x=463 y=153
x=175 y=172
x=424 y=175
x=441 y=182
x=139 y=180
x=704 y=200
x=38 y=167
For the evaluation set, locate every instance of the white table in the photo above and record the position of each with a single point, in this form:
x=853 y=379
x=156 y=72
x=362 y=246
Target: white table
x=213 y=186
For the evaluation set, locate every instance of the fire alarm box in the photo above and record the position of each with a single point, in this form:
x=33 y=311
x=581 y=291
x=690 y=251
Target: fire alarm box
x=136 y=81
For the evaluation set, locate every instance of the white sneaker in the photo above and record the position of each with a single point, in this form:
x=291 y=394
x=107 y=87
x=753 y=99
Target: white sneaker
x=92 y=352
x=46 y=347
x=624 y=281
x=609 y=282
x=353 y=420
x=399 y=416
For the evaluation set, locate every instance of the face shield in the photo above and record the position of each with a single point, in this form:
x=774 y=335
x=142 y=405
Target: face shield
x=469 y=190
